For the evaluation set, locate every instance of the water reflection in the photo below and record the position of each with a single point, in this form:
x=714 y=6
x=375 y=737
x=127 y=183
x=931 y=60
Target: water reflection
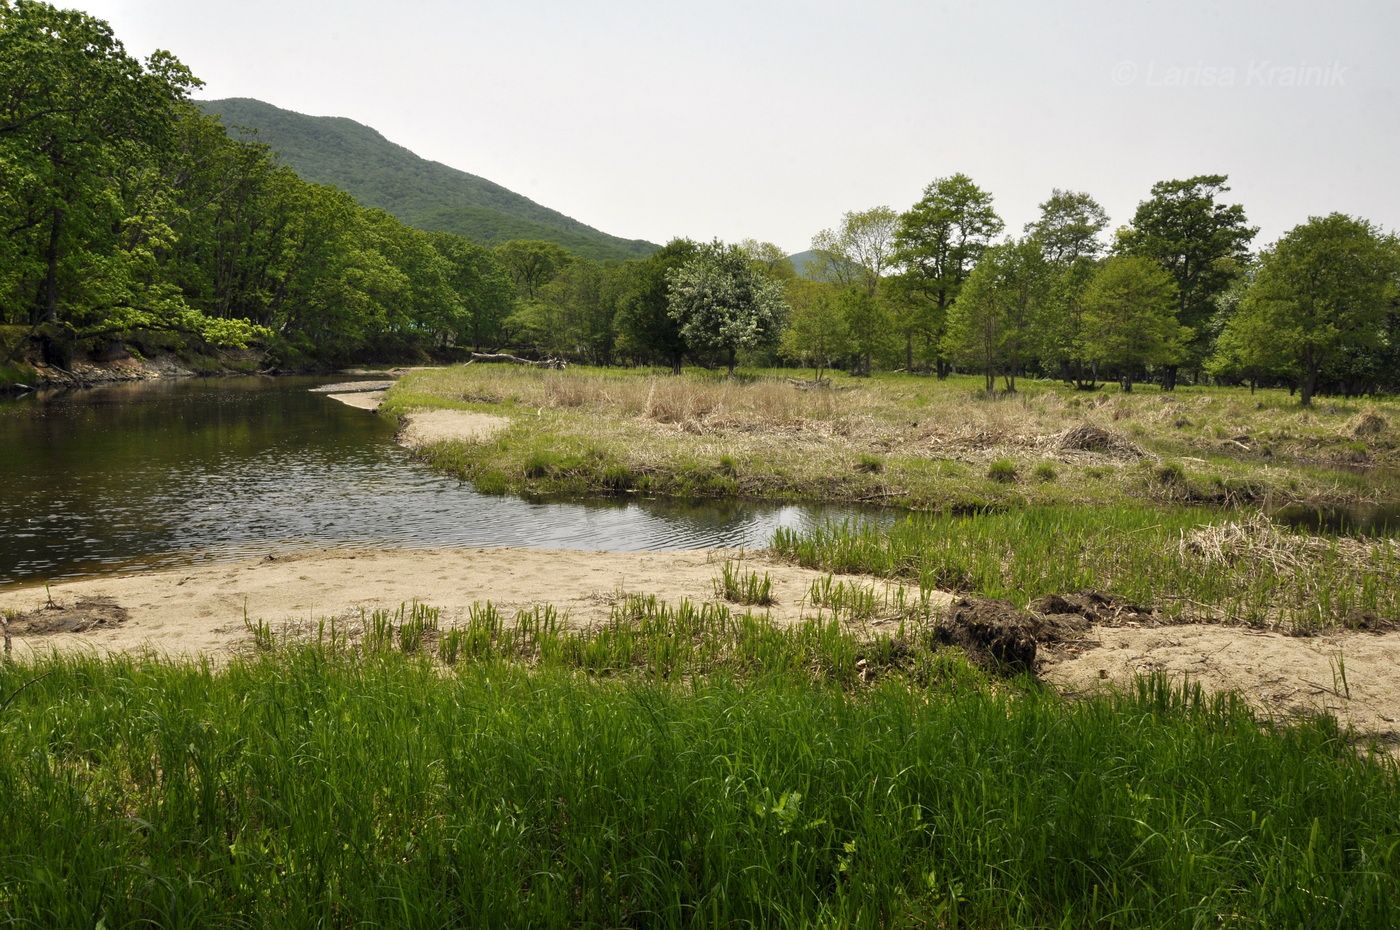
x=165 y=473
x=1378 y=520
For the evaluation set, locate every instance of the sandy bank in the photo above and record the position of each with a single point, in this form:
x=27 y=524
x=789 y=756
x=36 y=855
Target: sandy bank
x=425 y=427
x=1347 y=673
x=364 y=400
x=200 y=610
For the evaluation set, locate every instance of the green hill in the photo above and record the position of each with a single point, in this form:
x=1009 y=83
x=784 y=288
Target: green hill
x=427 y=194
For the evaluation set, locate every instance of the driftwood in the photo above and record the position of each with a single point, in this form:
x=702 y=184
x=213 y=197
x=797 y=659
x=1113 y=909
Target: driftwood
x=517 y=360
x=808 y=385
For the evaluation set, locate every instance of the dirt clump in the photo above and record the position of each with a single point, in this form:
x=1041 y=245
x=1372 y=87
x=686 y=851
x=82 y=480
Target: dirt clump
x=81 y=616
x=1086 y=437
x=1001 y=637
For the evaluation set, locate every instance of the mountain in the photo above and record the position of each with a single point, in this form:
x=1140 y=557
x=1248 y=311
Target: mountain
x=427 y=194
x=812 y=265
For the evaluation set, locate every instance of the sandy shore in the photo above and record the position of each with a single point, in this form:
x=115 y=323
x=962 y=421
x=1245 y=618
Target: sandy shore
x=200 y=610
x=1348 y=673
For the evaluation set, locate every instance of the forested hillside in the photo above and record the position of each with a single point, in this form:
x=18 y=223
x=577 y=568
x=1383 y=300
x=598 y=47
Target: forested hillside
x=421 y=193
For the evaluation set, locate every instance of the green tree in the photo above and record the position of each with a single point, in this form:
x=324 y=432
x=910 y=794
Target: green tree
x=992 y=322
x=1070 y=227
x=1070 y=232
x=1322 y=295
x=482 y=291
x=859 y=251
x=646 y=331
x=1130 y=318
x=723 y=303
x=817 y=332
x=938 y=242
x=770 y=257
x=531 y=264
x=77 y=115
x=1202 y=242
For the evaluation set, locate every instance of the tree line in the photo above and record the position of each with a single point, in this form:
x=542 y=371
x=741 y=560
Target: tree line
x=125 y=209
x=1175 y=292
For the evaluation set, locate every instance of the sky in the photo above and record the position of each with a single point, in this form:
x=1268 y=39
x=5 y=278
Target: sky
x=770 y=119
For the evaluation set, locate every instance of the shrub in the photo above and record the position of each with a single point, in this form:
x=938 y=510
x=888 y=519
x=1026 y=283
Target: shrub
x=1045 y=471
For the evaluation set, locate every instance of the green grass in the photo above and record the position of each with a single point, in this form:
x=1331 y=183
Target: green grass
x=740 y=587
x=1136 y=552
x=326 y=785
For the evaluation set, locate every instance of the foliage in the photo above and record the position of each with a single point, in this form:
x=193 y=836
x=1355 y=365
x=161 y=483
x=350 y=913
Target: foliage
x=1129 y=318
x=817 y=332
x=1321 y=294
x=1202 y=242
x=860 y=250
x=938 y=242
x=990 y=324
x=723 y=303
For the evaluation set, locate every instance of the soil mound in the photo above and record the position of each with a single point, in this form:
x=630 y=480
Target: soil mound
x=81 y=616
x=1001 y=637
x=1087 y=437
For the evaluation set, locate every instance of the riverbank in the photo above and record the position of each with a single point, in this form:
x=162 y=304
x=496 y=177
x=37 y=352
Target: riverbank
x=218 y=611
x=903 y=441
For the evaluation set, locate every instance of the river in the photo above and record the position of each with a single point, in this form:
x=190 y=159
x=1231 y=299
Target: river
x=164 y=473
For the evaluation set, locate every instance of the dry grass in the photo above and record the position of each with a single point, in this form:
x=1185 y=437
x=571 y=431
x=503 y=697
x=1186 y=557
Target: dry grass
x=1256 y=540
x=794 y=442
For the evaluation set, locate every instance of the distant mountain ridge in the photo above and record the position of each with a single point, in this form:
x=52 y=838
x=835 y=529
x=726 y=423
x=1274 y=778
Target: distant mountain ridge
x=427 y=194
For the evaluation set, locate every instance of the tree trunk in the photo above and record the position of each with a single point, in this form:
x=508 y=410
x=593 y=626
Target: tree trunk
x=1309 y=388
x=48 y=295
x=1127 y=383
x=909 y=351
x=1169 y=378
x=733 y=356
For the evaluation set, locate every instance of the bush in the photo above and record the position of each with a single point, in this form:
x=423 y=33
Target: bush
x=1045 y=471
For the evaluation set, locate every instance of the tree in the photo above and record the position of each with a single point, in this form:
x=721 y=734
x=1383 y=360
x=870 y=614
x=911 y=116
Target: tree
x=482 y=289
x=723 y=303
x=1322 y=293
x=1069 y=228
x=531 y=264
x=76 y=114
x=1202 y=242
x=938 y=242
x=860 y=249
x=991 y=323
x=770 y=257
x=1130 y=319
x=645 y=328
x=817 y=332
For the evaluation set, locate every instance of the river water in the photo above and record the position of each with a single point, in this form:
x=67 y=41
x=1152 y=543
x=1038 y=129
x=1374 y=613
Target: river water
x=174 y=472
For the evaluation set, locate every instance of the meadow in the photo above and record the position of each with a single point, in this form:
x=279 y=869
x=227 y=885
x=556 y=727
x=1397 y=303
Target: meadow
x=905 y=441
x=676 y=768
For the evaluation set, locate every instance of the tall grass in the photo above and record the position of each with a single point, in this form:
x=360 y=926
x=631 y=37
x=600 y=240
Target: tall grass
x=1134 y=552
x=316 y=787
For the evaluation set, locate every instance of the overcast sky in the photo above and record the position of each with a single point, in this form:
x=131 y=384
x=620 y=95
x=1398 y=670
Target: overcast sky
x=769 y=119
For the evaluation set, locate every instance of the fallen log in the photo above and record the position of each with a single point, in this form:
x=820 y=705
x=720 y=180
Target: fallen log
x=555 y=363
